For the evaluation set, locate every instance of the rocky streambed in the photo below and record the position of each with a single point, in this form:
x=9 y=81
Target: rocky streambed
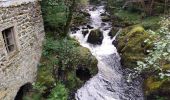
x=110 y=82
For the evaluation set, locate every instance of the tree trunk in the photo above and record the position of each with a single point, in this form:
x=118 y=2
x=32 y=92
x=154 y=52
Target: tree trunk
x=70 y=15
x=147 y=7
x=165 y=9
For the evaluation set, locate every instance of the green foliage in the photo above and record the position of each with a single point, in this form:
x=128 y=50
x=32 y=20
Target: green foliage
x=34 y=96
x=131 y=45
x=160 y=55
x=62 y=49
x=128 y=17
x=151 y=22
x=156 y=64
x=39 y=87
x=161 y=98
x=59 y=92
x=36 y=93
x=54 y=14
x=133 y=18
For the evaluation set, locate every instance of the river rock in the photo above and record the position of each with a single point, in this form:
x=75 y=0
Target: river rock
x=86 y=56
x=90 y=27
x=105 y=18
x=103 y=14
x=93 y=9
x=113 y=32
x=103 y=24
x=84 y=27
x=115 y=43
x=74 y=29
x=85 y=32
x=95 y=37
x=86 y=14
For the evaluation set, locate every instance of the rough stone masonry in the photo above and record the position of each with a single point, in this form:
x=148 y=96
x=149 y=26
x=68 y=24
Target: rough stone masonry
x=18 y=66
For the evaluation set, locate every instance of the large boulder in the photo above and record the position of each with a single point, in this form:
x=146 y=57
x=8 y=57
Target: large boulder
x=131 y=45
x=87 y=60
x=132 y=48
x=95 y=37
x=155 y=87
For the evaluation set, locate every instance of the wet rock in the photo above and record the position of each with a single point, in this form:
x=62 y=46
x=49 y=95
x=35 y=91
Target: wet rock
x=105 y=18
x=113 y=32
x=90 y=27
x=115 y=43
x=93 y=9
x=85 y=13
x=106 y=28
x=95 y=37
x=156 y=86
x=103 y=14
x=84 y=28
x=74 y=29
x=103 y=24
x=129 y=45
x=85 y=32
x=85 y=56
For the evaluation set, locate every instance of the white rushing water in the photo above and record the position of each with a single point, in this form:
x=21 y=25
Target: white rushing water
x=108 y=84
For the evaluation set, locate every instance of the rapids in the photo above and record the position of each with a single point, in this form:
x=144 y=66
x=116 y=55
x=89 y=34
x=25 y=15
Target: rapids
x=109 y=83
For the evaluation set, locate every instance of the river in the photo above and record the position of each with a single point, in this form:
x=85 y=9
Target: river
x=109 y=83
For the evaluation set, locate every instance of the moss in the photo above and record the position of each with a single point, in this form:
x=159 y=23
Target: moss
x=151 y=85
x=72 y=81
x=95 y=37
x=131 y=45
x=166 y=67
x=45 y=75
x=155 y=87
x=88 y=60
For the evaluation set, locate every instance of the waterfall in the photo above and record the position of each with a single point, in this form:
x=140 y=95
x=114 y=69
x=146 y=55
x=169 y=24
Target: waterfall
x=109 y=83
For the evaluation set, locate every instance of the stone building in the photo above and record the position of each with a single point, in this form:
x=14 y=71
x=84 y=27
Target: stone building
x=21 y=36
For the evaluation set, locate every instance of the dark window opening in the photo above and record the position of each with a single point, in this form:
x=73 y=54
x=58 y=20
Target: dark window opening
x=9 y=40
x=22 y=91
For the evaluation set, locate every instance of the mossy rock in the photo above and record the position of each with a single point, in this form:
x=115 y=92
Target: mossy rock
x=95 y=37
x=152 y=84
x=131 y=45
x=87 y=60
x=155 y=87
x=166 y=67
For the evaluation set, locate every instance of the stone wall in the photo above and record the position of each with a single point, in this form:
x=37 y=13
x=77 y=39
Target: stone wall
x=20 y=67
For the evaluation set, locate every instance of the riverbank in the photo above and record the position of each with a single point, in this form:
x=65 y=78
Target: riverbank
x=94 y=64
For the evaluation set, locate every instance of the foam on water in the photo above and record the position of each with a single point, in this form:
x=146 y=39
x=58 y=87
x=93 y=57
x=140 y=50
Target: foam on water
x=108 y=84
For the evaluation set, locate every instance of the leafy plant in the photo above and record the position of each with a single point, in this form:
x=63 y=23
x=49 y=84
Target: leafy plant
x=59 y=92
x=159 y=57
